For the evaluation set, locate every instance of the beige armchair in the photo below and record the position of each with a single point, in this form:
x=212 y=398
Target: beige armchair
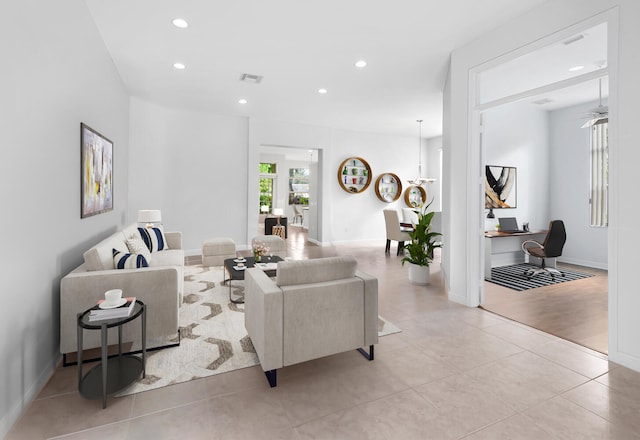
x=313 y=308
x=394 y=231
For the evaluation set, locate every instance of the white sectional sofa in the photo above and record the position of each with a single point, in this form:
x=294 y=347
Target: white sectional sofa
x=159 y=286
x=313 y=308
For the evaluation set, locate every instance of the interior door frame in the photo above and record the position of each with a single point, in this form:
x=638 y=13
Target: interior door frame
x=476 y=150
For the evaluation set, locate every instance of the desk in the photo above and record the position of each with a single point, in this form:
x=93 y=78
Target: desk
x=501 y=249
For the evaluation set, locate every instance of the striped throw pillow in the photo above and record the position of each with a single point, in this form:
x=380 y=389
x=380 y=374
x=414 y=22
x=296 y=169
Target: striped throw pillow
x=154 y=239
x=128 y=261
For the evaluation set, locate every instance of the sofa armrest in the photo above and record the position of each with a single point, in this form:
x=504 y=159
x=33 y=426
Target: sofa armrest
x=370 y=307
x=174 y=239
x=263 y=311
x=157 y=287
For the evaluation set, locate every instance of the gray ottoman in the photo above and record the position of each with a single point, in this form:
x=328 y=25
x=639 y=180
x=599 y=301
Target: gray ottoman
x=216 y=250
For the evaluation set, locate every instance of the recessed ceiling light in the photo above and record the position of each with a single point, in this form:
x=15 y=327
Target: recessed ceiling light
x=361 y=64
x=181 y=23
x=575 y=68
x=242 y=101
x=322 y=91
x=179 y=66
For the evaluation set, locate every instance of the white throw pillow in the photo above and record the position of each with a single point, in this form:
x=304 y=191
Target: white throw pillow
x=137 y=246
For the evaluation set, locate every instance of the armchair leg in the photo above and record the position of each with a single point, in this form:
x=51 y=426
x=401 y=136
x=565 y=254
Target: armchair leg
x=272 y=376
x=400 y=247
x=368 y=356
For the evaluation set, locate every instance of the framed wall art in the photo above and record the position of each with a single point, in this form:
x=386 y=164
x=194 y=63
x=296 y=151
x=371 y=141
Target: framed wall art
x=500 y=187
x=96 y=152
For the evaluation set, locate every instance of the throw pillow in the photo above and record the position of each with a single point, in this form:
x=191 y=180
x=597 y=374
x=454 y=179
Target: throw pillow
x=154 y=239
x=128 y=261
x=137 y=246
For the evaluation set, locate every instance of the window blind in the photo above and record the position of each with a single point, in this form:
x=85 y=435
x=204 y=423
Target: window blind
x=599 y=174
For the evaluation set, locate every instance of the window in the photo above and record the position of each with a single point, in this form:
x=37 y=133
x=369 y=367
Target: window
x=267 y=177
x=599 y=174
x=298 y=186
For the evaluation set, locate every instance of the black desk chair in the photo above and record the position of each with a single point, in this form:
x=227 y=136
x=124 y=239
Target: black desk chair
x=551 y=248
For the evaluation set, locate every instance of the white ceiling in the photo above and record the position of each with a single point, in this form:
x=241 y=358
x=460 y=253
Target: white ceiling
x=550 y=65
x=298 y=47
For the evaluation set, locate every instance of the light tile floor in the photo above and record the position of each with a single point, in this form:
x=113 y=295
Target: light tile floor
x=453 y=372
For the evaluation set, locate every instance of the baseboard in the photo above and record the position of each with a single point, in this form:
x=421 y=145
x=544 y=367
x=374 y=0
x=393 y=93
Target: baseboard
x=376 y=241
x=318 y=243
x=625 y=360
x=14 y=413
x=585 y=263
x=192 y=252
x=460 y=299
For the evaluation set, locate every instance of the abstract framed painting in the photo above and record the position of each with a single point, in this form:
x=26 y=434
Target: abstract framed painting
x=96 y=172
x=500 y=187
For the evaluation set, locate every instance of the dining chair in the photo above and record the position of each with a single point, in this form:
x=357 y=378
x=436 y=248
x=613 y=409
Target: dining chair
x=297 y=214
x=394 y=230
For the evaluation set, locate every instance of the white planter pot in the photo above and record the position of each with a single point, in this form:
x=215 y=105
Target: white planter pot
x=418 y=274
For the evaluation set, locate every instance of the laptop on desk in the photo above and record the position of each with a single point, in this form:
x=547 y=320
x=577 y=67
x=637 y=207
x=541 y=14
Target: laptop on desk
x=509 y=225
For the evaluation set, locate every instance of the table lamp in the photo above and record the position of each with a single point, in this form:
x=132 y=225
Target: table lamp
x=278 y=212
x=149 y=217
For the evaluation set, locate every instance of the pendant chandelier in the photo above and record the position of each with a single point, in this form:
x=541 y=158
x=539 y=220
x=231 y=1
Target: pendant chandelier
x=420 y=180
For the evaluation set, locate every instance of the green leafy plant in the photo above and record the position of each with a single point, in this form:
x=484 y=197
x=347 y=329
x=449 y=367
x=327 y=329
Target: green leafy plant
x=423 y=240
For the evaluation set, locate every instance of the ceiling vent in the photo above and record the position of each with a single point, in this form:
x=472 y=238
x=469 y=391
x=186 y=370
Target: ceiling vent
x=573 y=39
x=543 y=101
x=248 y=77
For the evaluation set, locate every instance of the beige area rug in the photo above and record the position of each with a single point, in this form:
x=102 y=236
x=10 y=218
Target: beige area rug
x=213 y=337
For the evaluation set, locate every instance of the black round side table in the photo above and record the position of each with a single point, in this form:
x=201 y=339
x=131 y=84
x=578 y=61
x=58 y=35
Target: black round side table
x=111 y=374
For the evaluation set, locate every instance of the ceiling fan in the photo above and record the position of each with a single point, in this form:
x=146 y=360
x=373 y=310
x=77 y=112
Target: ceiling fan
x=599 y=114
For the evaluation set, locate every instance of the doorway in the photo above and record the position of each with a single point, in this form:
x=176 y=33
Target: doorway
x=297 y=187
x=529 y=124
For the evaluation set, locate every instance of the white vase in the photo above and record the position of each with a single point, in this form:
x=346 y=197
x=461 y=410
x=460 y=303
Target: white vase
x=418 y=274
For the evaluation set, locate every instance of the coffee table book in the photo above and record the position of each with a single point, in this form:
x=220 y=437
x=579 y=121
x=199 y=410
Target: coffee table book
x=98 y=314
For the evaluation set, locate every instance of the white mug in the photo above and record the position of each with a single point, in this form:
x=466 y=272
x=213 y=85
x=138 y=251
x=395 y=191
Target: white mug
x=113 y=296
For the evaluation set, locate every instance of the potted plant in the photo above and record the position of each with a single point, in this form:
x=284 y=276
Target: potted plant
x=420 y=249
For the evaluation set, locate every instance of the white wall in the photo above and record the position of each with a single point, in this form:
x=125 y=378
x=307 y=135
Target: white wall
x=516 y=135
x=56 y=73
x=343 y=216
x=359 y=216
x=463 y=275
x=193 y=167
x=432 y=170
x=569 y=176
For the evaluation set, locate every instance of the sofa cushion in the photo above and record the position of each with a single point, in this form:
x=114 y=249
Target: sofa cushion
x=123 y=260
x=137 y=246
x=294 y=272
x=100 y=256
x=171 y=257
x=154 y=239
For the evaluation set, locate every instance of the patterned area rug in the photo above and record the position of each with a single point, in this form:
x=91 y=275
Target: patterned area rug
x=213 y=337
x=513 y=277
